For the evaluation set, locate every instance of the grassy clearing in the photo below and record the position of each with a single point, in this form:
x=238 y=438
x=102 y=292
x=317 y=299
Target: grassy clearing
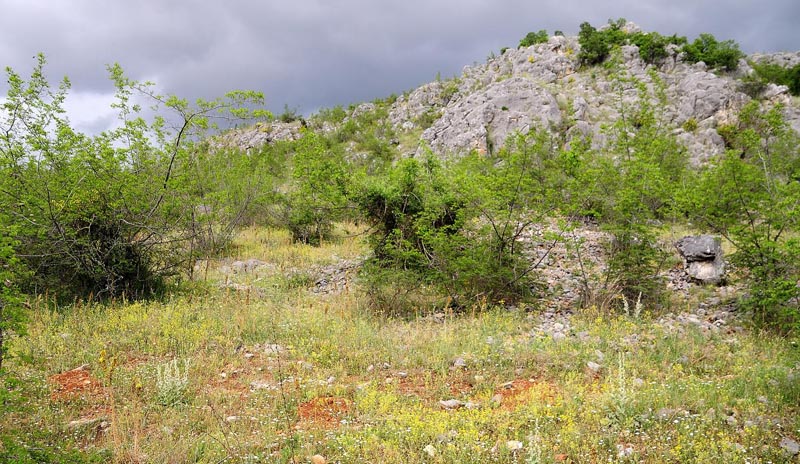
x=215 y=374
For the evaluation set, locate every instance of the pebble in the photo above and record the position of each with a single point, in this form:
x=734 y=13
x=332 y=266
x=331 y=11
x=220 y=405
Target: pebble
x=514 y=445
x=451 y=404
x=273 y=348
x=260 y=385
x=790 y=446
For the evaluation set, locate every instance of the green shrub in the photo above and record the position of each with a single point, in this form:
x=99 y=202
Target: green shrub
x=288 y=115
x=116 y=213
x=639 y=187
x=594 y=45
x=653 y=46
x=750 y=197
x=715 y=54
x=533 y=38
x=318 y=190
x=776 y=74
x=752 y=85
x=455 y=229
x=597 y=44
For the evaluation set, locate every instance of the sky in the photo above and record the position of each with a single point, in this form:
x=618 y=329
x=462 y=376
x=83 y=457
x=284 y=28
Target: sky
x=312 y=54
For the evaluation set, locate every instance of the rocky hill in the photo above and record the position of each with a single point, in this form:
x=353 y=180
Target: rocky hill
x=544 y=85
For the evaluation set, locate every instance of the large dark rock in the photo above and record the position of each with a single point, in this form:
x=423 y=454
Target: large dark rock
x=704 y=258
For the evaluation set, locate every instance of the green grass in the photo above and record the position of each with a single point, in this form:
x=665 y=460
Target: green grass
x=354 y=386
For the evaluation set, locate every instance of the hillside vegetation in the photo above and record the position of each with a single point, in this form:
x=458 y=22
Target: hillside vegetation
x=482 y=269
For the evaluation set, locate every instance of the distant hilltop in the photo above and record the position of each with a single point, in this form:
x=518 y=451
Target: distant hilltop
x=575 y=86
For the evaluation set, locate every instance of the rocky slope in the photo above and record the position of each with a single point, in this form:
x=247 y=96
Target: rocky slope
x=543 y=85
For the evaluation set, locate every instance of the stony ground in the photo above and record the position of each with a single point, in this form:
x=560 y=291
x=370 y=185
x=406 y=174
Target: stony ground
x=275 y=356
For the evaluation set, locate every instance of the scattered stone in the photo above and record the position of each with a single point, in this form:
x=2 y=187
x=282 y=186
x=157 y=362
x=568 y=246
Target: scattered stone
x=593 y=366
x=335 y=278
x=624 y=450
x=791 y=447
x=451 y=404
x=273 y=349
x=230 y=419
x=89 y=423
x=402 y=374
x=514 y=445
x=460 y=363
x=669 y=413
x=600 y=356
x=318 y=459
x=261 y=385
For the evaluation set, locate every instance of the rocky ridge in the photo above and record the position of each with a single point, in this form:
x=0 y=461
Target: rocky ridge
x=542 y=85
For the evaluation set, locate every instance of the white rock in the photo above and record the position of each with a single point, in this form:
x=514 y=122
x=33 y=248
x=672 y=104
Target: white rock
x=451 y=404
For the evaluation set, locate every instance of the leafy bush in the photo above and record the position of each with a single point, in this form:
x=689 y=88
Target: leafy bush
x=750 y=197
x=289 y=114
x=653 y=46
x=111 y=214
x=639 y=187
x=594 y=44
x=456 y=229
x=533 y=38
x=690 y=125
x=776 y=74
x=597 y=44
x=715 y=54
x=318 y=192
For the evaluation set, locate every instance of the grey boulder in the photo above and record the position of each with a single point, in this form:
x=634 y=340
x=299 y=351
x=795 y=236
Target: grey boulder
x=703 y=257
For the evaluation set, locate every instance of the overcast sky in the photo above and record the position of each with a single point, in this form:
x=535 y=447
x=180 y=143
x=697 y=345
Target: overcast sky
x=311 y=54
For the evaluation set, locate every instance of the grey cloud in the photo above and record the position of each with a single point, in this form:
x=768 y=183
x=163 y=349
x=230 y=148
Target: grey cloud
x=313 y=53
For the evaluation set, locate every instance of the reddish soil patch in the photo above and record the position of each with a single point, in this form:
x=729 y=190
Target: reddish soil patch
x=520 y=391
x=74 y=384
x=427 y=386
x=324 y=412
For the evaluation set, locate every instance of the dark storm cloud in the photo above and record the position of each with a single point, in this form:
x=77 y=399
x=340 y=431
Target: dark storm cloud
x=312 y=53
